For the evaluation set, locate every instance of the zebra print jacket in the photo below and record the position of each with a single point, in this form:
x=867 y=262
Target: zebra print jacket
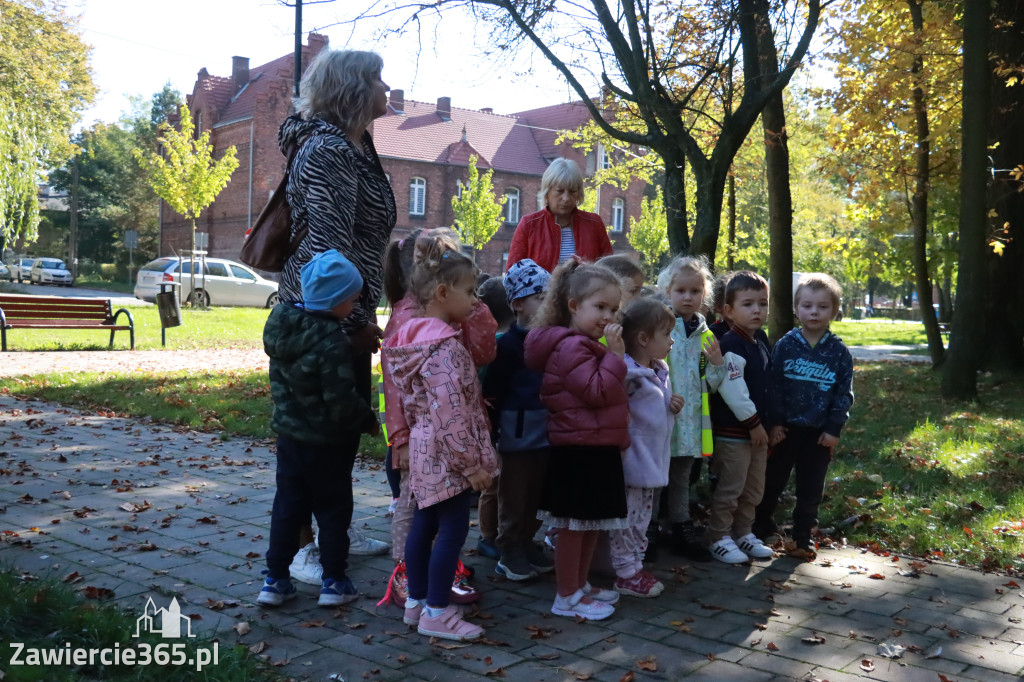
x=346 y=200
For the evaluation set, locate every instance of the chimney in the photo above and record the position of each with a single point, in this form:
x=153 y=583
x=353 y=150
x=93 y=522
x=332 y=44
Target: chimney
x=240 y=72
x=444 y=108
x=487 y=110
x=397 y=101
x=317 y=42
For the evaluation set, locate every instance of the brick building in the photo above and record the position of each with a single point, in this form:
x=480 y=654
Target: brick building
x=424 y=148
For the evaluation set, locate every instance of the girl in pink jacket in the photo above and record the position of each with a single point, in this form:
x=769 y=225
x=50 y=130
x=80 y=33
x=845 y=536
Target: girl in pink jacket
x=584 y=390
x=450 y=451
x=478 y=335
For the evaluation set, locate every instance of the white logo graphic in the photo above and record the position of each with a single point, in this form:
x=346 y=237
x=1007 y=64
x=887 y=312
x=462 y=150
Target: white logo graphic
x=170 y=621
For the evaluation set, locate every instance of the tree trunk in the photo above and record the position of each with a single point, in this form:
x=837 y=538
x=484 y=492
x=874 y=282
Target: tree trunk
x=1004 y=333
x=730 y=263
x=710 y=178
x=966 y=348
x=919 y=203
x=675 y=202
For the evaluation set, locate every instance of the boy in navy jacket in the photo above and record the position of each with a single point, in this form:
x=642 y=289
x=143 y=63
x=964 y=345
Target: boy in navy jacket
x=812 y=391
x=739 y=422
x=519 y=425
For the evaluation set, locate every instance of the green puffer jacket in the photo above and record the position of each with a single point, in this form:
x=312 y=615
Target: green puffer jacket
x=311 y=378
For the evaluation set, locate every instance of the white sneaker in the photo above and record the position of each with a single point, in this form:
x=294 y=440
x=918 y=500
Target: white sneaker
x=754 y=548
x=726 y=550
x=306 y=566
x=574 y=606
x=365 y=546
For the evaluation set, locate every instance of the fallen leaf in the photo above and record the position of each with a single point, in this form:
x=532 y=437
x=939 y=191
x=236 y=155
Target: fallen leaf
x=497 y=672
x=547 y=657
x=867 y=665
x=258 y=647
x=91 y=592
x=243 y=628
x=649 y=664
x=813 y=639
x=628 y=677
x=315 y=623
x=934 y=652
x=877 y=576
x=902 y=622
x=772 y=646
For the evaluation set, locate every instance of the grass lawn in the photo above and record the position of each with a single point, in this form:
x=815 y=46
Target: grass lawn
x=882 y=333
x=48 y=613
x=233 y=404
x=212 y=328
x=913 y=473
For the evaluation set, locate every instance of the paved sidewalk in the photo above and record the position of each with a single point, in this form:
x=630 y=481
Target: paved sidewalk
x=156 y=512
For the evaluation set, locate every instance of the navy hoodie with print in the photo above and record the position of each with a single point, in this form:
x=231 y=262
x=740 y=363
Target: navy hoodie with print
x=812 y=387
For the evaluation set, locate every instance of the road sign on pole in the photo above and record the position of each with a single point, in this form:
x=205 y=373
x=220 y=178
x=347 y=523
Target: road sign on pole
x=202 y=240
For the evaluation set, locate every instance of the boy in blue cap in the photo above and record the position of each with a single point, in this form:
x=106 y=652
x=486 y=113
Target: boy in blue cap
x=316 y=408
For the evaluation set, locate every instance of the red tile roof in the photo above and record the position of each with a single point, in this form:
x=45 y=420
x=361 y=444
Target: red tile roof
x=420 y=134
x=261 y=80
x=546 y=123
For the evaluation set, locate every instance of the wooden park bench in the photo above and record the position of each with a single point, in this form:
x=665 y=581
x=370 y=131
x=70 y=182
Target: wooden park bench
x=54 y=312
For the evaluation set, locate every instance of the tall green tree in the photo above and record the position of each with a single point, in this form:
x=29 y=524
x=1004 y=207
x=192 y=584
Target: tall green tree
x=895 y=131
x=477 y=209
x=45 y=83
x=186 y=175
x=648 y=234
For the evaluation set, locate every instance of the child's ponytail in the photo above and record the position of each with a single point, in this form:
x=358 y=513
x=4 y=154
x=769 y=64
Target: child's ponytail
x=435 y=262
x=399 y=257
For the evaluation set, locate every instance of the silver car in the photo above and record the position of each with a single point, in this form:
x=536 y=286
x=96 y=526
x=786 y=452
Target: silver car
x=50 y=271
x=217 y=282
x=20 y=268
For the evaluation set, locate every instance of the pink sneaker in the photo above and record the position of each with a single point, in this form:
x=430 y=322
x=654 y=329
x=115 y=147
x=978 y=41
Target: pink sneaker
x=449 y=625
x=573 y=606
x=412 y=613
x=642 y=584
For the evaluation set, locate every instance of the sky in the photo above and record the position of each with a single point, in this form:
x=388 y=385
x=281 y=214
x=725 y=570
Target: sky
x=139 y=46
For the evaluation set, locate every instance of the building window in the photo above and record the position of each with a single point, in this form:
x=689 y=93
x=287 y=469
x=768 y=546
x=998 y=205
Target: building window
x=512 y=205
x=417 y=196
x=604 y=158
x=459 y=187
x=618 y=214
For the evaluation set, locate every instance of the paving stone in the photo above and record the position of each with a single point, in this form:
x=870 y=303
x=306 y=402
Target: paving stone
x=212 y=565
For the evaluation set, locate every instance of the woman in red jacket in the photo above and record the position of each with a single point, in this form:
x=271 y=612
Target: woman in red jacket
x=556 y=233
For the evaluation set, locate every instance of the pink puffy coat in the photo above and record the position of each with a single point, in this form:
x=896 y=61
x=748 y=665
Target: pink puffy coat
x=478 y=336
x=449 y=437
x=583 y=387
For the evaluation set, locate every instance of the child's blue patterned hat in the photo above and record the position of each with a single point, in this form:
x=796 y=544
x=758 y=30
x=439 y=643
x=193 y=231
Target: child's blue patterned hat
x=525 y=278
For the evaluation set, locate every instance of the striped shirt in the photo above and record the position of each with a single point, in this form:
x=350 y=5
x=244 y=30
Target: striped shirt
x=346 y=200
x=568 y=249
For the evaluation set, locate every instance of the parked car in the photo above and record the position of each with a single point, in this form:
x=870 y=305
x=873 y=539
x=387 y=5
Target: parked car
x=50 y=271
x=222 y=282
x=5 y=272
x=20 y=268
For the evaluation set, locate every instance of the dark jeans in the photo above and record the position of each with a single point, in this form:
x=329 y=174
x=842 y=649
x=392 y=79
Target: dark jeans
x=312 y=479
x=800 y=450
x=432 y=550
x=394 y=476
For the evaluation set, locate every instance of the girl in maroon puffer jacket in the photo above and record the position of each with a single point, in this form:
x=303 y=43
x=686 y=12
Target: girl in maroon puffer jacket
x=584 y=390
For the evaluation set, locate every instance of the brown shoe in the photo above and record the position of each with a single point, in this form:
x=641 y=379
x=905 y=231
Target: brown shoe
x=804 y=550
